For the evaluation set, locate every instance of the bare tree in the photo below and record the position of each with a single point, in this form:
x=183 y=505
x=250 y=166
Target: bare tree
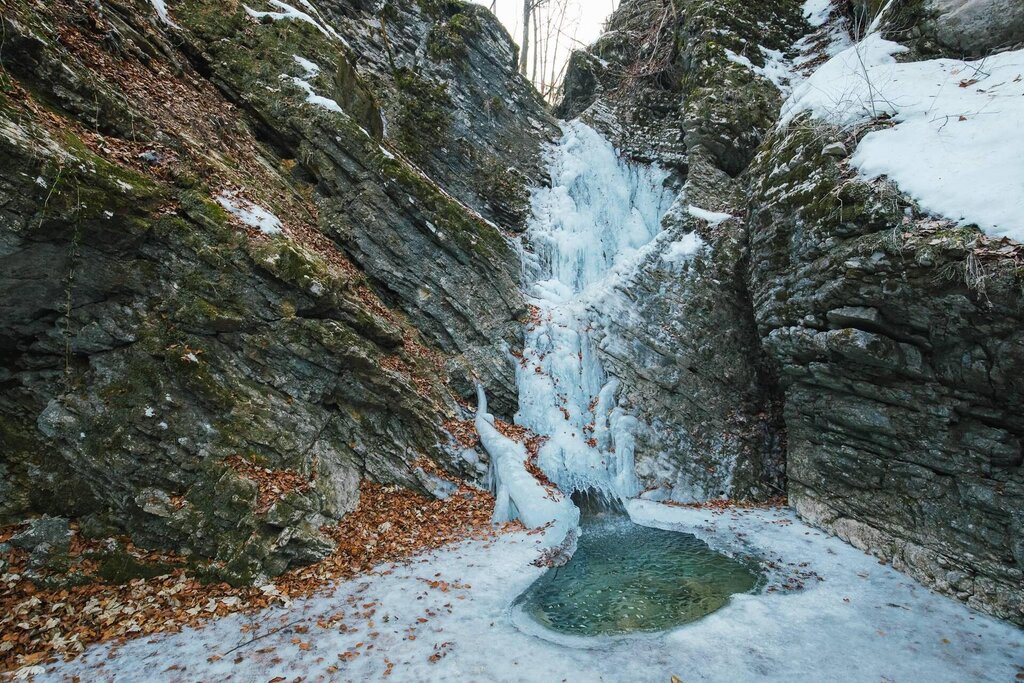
x=549 y=33
x=529 y=6
x=557 y=27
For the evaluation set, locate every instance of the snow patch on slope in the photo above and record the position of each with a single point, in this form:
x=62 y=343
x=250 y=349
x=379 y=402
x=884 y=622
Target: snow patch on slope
x=253 y=215
x=312 y=70
x=289 y=12
x=684 y=249
x=777 y=68
x=711 y=217
x=788 y=69
x=957 y=146
x=817 y=12
x=850 y=87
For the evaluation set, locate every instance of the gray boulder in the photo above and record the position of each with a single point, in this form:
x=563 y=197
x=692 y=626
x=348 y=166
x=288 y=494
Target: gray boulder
x=48 y=540
x=835 y=149
x=978 y=27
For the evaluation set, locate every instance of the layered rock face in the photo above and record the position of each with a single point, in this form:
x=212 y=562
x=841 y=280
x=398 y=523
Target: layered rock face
x=876 y=350
x=250 y=243
x=251 y=254
x=685 y=344
x=901 y=373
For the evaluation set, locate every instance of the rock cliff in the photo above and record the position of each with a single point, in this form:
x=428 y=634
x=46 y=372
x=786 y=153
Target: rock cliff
x=835 y=340
x=240 y=240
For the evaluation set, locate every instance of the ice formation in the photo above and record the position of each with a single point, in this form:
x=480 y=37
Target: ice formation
x=518 y=494
x=588 y=230
x=161 y=11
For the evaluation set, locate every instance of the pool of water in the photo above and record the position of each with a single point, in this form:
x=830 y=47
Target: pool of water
x=626 y=578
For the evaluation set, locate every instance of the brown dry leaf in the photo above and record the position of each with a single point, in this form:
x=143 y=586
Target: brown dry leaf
x=400 y=522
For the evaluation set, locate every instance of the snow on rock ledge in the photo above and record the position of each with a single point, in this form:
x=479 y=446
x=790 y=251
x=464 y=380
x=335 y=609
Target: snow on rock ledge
x=957 y=146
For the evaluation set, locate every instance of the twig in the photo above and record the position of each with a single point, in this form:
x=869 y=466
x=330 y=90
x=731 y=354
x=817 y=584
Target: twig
x=265 y=635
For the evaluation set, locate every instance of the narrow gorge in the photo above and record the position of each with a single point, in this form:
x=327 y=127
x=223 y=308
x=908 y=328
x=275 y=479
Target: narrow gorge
x=331 y=349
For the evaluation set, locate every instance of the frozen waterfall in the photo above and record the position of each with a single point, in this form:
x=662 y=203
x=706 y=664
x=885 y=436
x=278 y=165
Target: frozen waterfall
x=589 y=228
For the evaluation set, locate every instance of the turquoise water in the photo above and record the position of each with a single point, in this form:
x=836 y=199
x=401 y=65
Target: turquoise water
x=626 y=578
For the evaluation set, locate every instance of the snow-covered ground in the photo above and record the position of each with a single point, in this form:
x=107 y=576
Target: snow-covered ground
x=446 y=617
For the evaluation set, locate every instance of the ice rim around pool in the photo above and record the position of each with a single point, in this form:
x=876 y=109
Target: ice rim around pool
x=736 y=552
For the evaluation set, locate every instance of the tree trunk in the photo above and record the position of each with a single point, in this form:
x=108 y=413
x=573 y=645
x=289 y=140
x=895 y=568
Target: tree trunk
x=536 y=46
x=524 y=53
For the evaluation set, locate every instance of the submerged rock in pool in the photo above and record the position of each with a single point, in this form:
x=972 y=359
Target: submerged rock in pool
x=626 y=578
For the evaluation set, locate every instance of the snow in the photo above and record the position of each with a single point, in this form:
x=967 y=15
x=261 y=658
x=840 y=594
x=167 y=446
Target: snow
x=290 y=12
x=776 y=69
x=957 y=146
x=314 y=99
x=712 y=217
x=312 y=70
x=253 y=215
x=788 y=69
x=840 y=90
x=161 y=11
x=589 y=229
x=817 y=12
x=864 y=623
x=684 y=249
